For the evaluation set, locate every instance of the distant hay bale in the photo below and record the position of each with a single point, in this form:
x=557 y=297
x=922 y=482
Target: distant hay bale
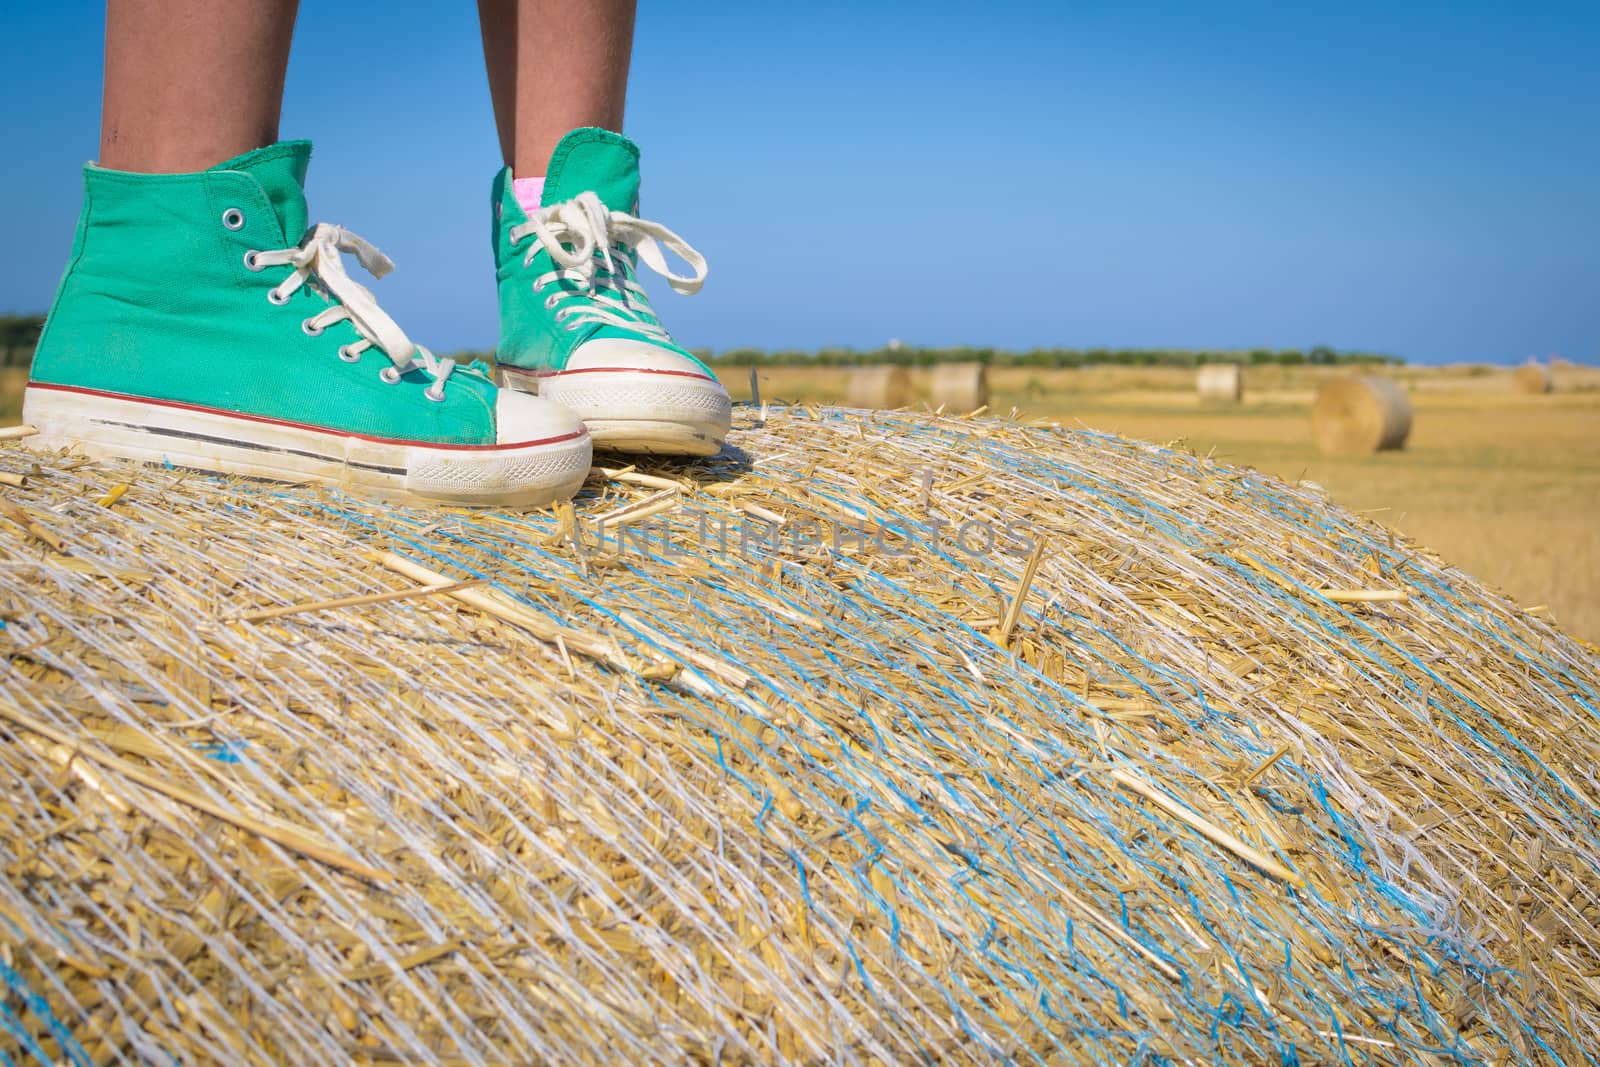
x=1355 y=416
x=13 y=382
x=1122 y=755
x=1220 y=382
x=1531 y=377
x=959 y=387
x=884 y=386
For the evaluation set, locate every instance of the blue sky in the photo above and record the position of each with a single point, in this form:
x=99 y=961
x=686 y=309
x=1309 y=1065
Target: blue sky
x=1421 y=180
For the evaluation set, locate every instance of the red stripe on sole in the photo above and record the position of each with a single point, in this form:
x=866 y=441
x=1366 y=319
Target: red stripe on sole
x=613 y=370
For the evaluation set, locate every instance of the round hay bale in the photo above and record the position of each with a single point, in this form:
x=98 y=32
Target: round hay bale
x=13 y=383
x=959 y=388
x=1085 y=771
x=1355 y=416
x=885 y=386
x=1220 y=383
x=1531 y=377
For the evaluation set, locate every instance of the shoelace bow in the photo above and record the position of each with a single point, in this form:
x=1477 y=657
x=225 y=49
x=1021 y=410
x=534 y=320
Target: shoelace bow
x=320 y=254
x=582 y=235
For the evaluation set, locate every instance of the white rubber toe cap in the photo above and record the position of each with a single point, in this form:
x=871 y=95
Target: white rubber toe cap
x=523 y=419
x=636 y=397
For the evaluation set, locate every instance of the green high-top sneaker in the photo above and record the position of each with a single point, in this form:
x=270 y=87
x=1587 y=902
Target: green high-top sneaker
x=196 y=326
x=576 y=327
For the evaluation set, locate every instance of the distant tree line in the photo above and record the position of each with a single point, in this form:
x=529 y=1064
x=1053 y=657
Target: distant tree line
x=18 y=335
x=1321 y=355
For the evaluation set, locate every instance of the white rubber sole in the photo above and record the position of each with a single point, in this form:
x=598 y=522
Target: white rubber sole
x=109 y=425
x=666 y=413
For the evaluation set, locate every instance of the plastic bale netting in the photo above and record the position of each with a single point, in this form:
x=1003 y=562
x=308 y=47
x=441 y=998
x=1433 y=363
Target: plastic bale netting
x=879 y=738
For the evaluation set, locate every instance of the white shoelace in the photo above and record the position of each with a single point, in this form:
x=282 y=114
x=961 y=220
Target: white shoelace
x=594 y=232
x=320 y=255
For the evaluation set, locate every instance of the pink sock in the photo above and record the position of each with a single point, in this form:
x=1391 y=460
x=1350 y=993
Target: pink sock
x=528 y=192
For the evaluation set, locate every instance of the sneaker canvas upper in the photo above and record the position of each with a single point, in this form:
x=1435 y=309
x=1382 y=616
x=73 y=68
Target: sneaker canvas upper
x=534 y=333
x=160 y=300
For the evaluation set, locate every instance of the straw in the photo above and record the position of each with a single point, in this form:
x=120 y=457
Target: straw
x=719 y=788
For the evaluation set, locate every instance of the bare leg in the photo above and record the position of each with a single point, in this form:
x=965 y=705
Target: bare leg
x=554 y=65
x=190 y=83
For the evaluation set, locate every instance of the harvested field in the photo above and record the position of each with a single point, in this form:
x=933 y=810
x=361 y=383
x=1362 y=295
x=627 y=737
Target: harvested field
x=1188 y=762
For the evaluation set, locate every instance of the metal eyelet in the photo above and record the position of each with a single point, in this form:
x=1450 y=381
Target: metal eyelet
x=389 y=375
x=551 y=301
x=233 y=219
x=435 y=392
x=349 y=356
x=275 y=297
x=538 y=287
x=250 y=260
x=310 y=327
